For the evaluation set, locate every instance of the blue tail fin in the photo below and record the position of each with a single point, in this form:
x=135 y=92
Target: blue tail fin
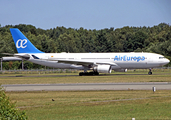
x=22 y=44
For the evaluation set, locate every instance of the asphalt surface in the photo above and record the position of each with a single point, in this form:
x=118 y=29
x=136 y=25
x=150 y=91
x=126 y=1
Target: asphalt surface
x=89 y=86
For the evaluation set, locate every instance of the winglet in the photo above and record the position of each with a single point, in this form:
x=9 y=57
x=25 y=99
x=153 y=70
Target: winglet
x=22 y=44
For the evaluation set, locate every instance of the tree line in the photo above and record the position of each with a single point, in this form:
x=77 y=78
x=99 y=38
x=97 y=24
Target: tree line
x=156 y=39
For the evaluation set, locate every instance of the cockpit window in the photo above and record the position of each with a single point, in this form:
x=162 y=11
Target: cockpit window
x=162 y=58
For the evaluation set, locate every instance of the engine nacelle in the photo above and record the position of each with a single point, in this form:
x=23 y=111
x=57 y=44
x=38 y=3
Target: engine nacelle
x=102 y=69
x=120 y=70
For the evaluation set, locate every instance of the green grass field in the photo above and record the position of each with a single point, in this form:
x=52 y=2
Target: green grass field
x=94 y=105
x=130 y=76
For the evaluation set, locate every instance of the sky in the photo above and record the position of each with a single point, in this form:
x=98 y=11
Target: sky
x=89 y=14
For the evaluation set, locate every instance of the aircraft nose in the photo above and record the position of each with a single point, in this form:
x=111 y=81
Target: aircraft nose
x=167 y=61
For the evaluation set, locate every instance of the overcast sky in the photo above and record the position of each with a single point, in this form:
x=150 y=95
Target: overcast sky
x=89 y=14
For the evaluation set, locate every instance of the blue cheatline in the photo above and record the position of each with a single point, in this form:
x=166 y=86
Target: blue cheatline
x=22 y=44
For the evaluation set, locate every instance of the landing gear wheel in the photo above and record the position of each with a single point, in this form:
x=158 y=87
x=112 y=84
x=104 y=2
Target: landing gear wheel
x=81 y=74
x=96 y=73
x=88 y=73
x=150 y=73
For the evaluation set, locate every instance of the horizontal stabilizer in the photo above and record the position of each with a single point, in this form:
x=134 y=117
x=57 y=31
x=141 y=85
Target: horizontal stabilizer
x=24 y=56
x=16 y=56
x=11 y=59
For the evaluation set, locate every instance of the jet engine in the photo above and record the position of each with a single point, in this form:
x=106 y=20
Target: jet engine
x=102 y=69
x=120 y=70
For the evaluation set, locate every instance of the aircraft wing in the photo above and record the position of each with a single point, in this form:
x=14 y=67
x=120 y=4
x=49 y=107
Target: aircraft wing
x=76 y=62
x=81 y=62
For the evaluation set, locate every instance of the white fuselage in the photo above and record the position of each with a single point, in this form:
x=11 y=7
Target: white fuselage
x=120 y=60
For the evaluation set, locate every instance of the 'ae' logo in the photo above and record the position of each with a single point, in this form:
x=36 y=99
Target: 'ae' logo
x=21 y=43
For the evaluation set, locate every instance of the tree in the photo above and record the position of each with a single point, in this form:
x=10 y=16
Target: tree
x=61 y=39
x=139 y=39
x=8 y=109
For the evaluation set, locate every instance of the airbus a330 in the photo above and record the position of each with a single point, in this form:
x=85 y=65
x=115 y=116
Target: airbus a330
x=97 y=62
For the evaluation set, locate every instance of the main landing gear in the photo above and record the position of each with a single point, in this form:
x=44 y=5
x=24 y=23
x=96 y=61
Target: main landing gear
x=150 y=73
x=88 y=73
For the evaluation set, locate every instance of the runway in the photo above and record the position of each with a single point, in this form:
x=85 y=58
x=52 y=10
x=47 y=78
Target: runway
x=89 y=86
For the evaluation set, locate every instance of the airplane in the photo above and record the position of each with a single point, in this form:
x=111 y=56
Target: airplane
x=97 y=62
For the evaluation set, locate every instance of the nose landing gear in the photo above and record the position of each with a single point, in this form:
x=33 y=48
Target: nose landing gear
x=150 y=73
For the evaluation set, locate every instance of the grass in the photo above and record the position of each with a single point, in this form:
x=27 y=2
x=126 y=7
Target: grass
x=93 y=105
x=130 y=76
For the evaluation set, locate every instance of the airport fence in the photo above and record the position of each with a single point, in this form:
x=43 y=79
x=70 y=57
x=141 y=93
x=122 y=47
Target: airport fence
x=38 y=71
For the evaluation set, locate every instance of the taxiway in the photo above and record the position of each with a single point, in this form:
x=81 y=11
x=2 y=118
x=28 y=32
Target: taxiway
x=88 y=86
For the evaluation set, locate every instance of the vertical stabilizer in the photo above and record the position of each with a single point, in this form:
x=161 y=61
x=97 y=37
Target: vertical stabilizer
x=22 y=44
